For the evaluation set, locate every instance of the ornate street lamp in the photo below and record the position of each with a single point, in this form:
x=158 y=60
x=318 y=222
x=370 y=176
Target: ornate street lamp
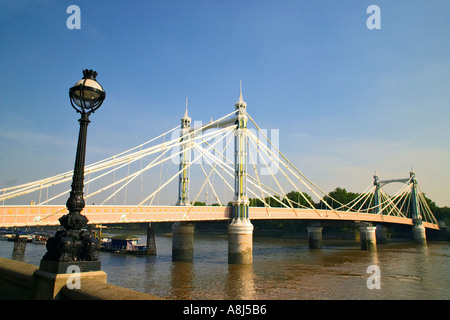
x=74 y=245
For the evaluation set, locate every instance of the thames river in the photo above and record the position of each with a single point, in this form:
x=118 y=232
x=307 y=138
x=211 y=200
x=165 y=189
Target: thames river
x=283 y=269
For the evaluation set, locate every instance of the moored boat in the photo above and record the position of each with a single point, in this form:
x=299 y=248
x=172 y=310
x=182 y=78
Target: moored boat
x=15 y=237
x=124 y=243
x=40 y=239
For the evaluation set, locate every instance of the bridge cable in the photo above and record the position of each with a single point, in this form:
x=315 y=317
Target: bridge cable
x=204 y=152
x=167 y=182
x=301 y=180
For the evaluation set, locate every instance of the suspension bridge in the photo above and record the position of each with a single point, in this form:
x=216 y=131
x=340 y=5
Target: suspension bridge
x=231 y=162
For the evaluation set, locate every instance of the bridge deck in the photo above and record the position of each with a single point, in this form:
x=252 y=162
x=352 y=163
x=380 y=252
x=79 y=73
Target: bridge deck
x=17 y=216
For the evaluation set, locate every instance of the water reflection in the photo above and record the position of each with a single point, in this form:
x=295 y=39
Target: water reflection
x=240 y=283
x=282 y=269
x=373 y=257
x=182 y=279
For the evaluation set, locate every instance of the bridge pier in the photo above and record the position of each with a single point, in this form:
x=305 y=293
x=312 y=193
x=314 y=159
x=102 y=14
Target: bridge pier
x=368 y=237
x=20 y=244
x=419 y=235
x=381 y=234
x=240 y=241
x=315 y=237
x=151 y=241
x=183 y=241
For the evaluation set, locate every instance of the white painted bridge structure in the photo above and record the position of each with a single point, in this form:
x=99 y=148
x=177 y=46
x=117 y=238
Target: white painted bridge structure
x=223 y=160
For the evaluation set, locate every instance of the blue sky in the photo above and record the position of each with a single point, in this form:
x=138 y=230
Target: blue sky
x=348 y=101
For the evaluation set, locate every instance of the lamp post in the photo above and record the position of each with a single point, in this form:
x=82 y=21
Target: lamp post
x=75 y=245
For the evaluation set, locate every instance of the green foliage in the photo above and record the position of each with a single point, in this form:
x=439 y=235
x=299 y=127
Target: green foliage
x=271 y=202
x=297 y=200
x=434 y=208
x=442 y=213
x=341 y=195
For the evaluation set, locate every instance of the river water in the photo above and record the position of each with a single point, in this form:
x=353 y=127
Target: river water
x=283 y=269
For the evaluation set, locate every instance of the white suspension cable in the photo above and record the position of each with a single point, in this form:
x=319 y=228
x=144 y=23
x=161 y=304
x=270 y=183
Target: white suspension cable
x=174 y=176
x=207 y=154
x=50 y=181
x=259 y=181
x=282 y=155
x=287 y=167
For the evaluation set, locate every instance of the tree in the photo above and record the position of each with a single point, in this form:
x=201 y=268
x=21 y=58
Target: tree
x=271 y=202
x=443 y=213
x=298 y=199
x=341 y=196
x=433 y=207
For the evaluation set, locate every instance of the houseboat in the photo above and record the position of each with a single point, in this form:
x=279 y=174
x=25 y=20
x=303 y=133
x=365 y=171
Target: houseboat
x=123 y=243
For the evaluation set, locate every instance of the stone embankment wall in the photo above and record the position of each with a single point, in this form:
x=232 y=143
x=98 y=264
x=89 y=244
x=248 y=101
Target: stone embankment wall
x=18 y=282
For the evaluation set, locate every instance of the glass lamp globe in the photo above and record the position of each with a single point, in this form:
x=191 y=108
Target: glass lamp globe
x=87 y=94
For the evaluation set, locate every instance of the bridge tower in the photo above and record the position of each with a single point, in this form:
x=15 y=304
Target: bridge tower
x=240 y=230
x=377 y=195
x=183 y=232
x=418 y=229
x=185 y=160
x=381 y=231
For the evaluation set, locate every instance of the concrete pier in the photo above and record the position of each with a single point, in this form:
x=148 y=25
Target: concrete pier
x=183 y=241
x=368 y=238
x=151 y=241
x=419 y=235
x=20 y=244
x=381 y=233
x=315 y=237
x=240 y=242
